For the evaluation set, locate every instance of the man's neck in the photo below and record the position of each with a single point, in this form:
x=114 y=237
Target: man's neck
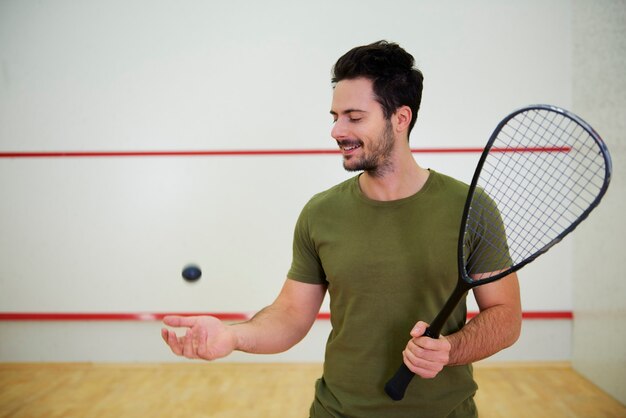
x=401 y=181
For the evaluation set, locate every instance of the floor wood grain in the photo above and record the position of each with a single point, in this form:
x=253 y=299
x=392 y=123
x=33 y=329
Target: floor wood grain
x=225 y=390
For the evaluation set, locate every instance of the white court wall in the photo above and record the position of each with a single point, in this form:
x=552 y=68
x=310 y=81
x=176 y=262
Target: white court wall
x=599 y=281
x=112 y=234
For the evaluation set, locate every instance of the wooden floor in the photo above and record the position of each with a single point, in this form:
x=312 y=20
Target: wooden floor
x=224 y=390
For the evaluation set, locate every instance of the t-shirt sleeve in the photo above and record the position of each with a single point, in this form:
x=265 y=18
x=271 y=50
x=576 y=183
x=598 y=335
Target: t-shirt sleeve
x=486 y=246
x=306 y=265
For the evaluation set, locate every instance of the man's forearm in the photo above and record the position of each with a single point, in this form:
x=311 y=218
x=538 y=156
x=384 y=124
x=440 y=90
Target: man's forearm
x=272 y=330
x=489 y=332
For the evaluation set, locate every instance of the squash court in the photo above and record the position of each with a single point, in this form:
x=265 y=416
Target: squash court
x=138 y=138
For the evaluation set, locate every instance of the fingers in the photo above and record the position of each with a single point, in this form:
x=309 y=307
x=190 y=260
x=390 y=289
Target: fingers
x=179 y=321
x=202 y=343
x=185 y=345
x=188 y=345
x=172 y=340
x=181 y=346
x=426 y=356
x=419 y=329
x=195 y=342
x=423 y=369
x=204 y=337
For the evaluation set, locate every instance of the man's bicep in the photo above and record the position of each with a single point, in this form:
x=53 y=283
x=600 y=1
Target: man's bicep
x=500 y=292
x=303 y=299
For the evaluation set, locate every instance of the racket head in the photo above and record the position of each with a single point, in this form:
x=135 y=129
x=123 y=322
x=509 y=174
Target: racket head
x=541 y=173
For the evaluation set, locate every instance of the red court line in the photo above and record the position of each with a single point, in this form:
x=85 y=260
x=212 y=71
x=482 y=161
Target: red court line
x=112 y=316
x=538 y=315
x=197 y=153
x=268 y=152
x=226 y=316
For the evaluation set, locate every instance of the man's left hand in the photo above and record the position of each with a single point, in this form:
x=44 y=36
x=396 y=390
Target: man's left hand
x=426 y=356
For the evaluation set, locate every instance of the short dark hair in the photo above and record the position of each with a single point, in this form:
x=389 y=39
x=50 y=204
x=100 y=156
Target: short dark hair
x=396 y=82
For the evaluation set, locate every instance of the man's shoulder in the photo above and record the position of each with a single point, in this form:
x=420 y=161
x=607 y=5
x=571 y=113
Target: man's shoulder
x=449 y=185
x=335 y=194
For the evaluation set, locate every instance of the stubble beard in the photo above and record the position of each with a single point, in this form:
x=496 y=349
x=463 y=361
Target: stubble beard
x=376 y=162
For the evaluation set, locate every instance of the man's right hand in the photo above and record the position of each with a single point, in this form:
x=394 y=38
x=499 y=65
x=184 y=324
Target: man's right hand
x=206 y=337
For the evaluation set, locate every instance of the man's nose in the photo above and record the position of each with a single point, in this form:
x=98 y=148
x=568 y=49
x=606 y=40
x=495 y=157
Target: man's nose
x=339 y=130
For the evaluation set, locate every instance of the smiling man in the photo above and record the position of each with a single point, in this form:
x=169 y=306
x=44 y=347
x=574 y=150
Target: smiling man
x=383 y=246
x=375 y=159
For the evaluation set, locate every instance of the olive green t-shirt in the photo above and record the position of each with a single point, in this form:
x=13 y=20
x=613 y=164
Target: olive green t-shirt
x=387 y=264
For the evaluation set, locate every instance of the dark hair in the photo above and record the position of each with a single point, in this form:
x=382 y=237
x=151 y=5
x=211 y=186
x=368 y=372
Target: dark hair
x=396 y=82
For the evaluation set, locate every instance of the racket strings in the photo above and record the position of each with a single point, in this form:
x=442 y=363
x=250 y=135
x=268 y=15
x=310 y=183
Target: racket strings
x=543 y=171
x=542 y=181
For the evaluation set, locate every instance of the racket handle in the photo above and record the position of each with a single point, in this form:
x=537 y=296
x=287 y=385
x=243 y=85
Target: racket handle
x=396 y=386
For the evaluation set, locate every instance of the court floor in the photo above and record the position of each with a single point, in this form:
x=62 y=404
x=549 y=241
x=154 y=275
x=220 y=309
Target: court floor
x=224 y=390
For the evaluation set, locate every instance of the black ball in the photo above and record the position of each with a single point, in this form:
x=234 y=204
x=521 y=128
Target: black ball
x=191 y=273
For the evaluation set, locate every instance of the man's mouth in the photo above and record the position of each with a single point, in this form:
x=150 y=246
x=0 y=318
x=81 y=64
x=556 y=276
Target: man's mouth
x=348 y=146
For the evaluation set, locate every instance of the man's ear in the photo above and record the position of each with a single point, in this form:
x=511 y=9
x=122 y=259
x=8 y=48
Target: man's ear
x=403 y=117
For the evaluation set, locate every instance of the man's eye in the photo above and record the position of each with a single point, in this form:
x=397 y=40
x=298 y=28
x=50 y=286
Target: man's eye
x=355 y=119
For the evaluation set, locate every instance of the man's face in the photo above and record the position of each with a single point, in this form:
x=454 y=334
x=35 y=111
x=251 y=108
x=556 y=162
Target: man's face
x=363 y=134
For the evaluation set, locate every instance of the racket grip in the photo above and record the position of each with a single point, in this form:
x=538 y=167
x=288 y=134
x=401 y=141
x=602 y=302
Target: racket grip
x=396 y=386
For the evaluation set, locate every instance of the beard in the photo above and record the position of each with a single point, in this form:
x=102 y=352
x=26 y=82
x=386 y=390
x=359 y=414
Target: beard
x=375 y=161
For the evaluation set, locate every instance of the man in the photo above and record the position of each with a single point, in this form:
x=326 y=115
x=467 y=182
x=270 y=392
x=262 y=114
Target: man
x=383 y=244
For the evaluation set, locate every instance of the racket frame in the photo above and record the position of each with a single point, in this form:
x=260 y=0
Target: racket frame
x=487 y=150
